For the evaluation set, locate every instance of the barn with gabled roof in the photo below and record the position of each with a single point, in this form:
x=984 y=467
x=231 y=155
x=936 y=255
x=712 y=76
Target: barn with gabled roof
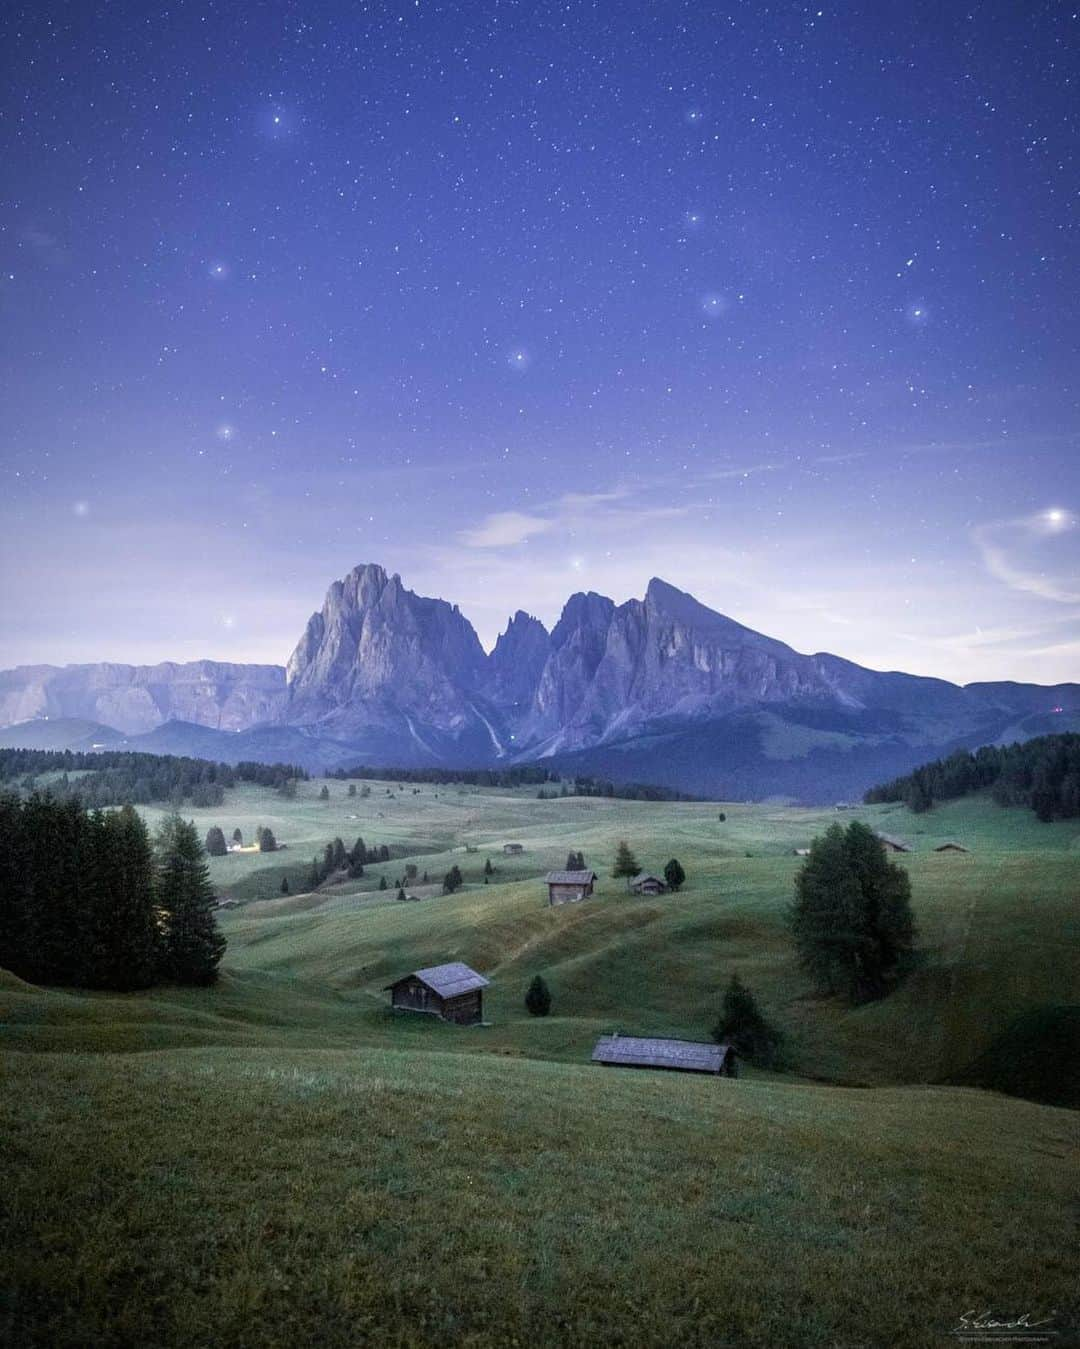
x=453 y=992
x=567 y=887
x=686 y=1056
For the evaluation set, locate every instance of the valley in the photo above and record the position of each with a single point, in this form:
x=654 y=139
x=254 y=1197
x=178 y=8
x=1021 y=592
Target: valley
x=293 y=1159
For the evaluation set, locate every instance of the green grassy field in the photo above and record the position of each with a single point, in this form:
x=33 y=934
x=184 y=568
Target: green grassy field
x=282 y=1160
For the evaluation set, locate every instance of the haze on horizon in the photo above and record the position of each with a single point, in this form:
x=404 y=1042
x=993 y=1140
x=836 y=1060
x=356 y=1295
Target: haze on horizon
x=518 y=301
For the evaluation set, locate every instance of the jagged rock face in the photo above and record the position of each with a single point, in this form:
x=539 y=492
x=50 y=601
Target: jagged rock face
x=578 y=642
x=516 y=663
x=138 y=698
x=666 y=655
x=376 y=653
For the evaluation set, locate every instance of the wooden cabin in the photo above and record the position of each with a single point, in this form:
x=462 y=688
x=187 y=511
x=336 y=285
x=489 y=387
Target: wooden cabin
x=685 y=1056
x=568 y=887
x=951 y=847
x=453 y=992
x=893 y=844
x=513 y=849
x=645 y=883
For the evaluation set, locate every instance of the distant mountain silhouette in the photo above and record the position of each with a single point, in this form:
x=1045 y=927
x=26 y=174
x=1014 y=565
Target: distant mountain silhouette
x=660 y=689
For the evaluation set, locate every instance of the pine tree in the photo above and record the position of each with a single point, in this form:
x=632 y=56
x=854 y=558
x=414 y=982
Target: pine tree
x=382 y=883
x=324 y=795
x=488 y=868
x=674 y=874
x=238 y=838
x=340 y=856
x=538 y=998
x=401 y=893
x=453 y=880
x=743 y=1026
x=267 y=841
x=352 y=789
x=851 y=919
x=125 y=939
x=193 y=946
x=284 y=885
x=626 y=864
x=215 y=844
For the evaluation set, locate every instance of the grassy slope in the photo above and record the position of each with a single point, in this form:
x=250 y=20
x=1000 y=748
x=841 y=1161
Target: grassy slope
x=289 y=1162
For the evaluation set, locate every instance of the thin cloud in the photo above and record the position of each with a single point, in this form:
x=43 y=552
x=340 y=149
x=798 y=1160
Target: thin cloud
x=504 y=529
x=1008 y=549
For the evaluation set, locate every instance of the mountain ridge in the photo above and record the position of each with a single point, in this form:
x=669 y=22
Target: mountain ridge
x=660 y=688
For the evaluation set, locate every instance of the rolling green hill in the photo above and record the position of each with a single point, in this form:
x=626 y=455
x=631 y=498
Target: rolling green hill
x=281 y=1159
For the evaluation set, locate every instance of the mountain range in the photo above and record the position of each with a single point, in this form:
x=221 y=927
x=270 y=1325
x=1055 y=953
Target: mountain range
x=661 y=689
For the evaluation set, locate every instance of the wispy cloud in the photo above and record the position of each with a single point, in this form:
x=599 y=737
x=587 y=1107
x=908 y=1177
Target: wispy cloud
x=1028 y=553
x=504 y=529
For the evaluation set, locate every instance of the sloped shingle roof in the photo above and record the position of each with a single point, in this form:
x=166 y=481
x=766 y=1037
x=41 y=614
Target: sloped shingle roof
x=570 y=877
x=448 y=980
x=643 y=876
x=894 y=842
x=635 y=1051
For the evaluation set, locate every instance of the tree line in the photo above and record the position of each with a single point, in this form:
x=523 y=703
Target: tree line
x=517 y=775
x=121 y=777
x=87 y=899
x=1042 y=774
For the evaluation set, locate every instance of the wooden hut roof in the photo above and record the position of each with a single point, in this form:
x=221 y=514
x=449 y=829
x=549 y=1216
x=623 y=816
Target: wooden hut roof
x=900 y=844
x=571 y=877
x=447 y=980
x=644 y=876
x=950 y=843
x=636 y=1051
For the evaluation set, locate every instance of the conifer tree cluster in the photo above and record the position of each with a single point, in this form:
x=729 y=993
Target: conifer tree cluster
x=86 y=901
x=575 y=861
x=851 y=920
x=1043 y=774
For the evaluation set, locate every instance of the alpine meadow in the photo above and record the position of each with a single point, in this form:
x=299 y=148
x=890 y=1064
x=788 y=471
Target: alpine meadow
x=539 y=675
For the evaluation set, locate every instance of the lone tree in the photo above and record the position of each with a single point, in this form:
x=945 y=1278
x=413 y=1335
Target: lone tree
x=453 y=880
x=538 y=998
x=488 y=868
x=284 y=885
x=215 y=842
x=382 y=883
x=851 y=919
x=184 y=897
x=743 y=1026
x=238 y=838
x=352 y=789
x=674 y=874
x=267 y=841
x=324 y=795
x=626 y=864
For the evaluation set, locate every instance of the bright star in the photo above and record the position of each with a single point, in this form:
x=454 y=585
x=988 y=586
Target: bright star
x=712 y=306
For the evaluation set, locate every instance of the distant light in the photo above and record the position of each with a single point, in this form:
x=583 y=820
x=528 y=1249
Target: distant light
x=712 y=306
x=81 y=509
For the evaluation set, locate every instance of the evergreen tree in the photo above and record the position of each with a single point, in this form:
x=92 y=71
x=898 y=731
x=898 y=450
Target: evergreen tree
x=17 y=907
x=341 y=858
x=184 y=898
x=626 y=864
x=267 y=841
x=215 y=842
x=314 y=877
x=328 y=861
x=743 y=1026
x=674 y=874
x=851 y=920
x=124 y=939
x=453 y=880
x=488 y=868
x=721 y=817
x=401 y=893
x=352 y=789
x=238 y=838
x=324 y=794
x=575 y=861
x=382 y=883
x=284 y=885
x=538 y=998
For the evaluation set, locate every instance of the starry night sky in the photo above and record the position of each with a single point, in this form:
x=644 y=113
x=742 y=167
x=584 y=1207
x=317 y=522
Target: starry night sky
x=777 y=302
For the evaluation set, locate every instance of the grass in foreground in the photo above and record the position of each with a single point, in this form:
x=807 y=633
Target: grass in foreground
x=282 y=1197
